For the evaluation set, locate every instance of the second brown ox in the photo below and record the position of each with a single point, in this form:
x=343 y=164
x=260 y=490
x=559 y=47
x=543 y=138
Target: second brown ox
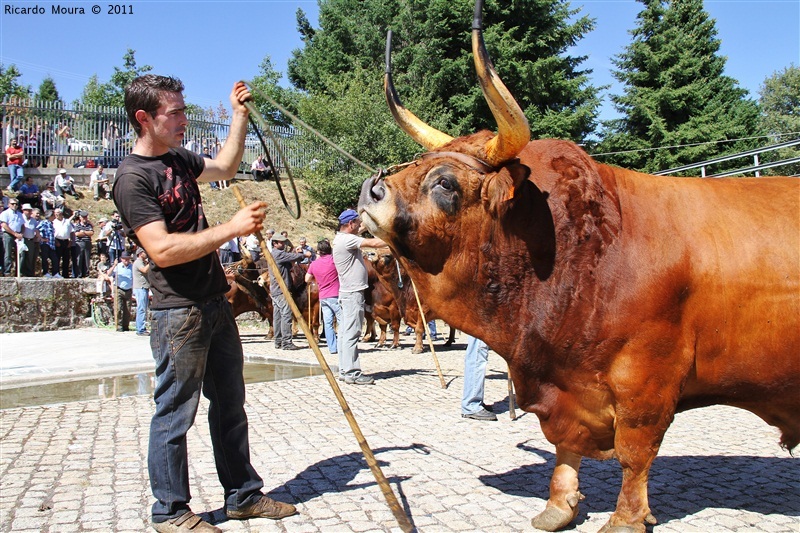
x=617 y=298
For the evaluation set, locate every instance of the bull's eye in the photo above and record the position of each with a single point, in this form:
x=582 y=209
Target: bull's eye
x=445 y=184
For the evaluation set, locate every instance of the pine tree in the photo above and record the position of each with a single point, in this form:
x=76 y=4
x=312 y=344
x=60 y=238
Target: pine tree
x=433 y=70
x=676 y=97
x=47 y=91
x=341 y=69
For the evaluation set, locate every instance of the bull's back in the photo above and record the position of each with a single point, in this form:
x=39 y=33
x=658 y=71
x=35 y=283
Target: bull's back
x=724 y=257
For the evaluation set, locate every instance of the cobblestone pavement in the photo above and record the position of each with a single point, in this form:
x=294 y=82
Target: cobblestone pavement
x=82 y=466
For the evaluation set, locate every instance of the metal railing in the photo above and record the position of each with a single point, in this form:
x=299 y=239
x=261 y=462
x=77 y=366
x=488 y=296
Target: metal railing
x=756 y=167
x=55 y=135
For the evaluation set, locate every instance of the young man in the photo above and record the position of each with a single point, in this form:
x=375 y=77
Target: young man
x=352 y=273
x=158 y=198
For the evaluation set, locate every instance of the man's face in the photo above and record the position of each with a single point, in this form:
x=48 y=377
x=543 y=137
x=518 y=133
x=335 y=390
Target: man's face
x=168 y=127
x=59 y=214
x=125 y=260
x=14 y=204
x=14 y=142
x=27 y=213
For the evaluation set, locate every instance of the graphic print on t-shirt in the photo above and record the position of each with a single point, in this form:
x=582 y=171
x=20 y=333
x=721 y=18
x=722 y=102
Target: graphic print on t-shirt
x=181 y=201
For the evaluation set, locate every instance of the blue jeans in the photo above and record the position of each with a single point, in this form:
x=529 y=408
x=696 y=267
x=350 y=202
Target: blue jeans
x=475 y=361
x=330 y=308
x=142 y=303
x=198 y=348
x=15 y=174
x=352 y=304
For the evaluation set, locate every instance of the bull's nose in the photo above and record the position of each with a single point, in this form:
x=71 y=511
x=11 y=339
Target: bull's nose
x=372 y=191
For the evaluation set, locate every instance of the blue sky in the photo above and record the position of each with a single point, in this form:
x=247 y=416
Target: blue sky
x=210 y=44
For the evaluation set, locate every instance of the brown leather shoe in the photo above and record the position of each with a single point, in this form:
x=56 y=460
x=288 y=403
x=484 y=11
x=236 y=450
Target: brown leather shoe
x=186 y=523
x=263 y=508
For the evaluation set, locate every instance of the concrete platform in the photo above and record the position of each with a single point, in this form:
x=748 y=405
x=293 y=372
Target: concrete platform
x=82 y=466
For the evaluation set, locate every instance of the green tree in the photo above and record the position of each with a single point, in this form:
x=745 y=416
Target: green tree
x=9 y=84
x=47 y=91
x=676 y=98
x=268 y=82
x=112 y=93
x=780 y=116
x=434 y=72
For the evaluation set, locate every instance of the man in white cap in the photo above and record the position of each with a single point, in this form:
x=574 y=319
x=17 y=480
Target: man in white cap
x=352 y=272
x=65 y=184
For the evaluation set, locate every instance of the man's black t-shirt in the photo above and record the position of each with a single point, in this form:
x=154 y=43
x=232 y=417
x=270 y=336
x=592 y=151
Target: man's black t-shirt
x=147 y=189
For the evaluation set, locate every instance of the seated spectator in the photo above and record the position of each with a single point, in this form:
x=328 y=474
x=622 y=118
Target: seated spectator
x=29 y=193
x=99 y=184
x=259 y=169
x=65 y=184
x=51 y=200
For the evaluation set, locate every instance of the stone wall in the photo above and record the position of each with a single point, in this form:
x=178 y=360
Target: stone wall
x=41 y=304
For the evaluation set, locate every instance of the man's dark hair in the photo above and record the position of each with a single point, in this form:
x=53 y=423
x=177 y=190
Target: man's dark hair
x=145 y=93
x=324 y=247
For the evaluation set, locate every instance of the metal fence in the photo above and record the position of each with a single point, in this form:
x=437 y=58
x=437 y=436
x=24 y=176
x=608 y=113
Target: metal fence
x=56 y=135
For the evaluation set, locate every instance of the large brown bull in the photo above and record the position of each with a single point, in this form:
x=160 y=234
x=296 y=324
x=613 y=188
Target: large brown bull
x=623 y=297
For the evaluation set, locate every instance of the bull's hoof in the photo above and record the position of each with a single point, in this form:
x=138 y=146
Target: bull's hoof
x=448 y=343
x=417 y=350
x=553 y=518
x=608 y=528
x=395 y=347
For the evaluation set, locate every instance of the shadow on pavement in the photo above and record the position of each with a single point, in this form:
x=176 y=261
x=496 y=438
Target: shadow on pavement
x=679 y=486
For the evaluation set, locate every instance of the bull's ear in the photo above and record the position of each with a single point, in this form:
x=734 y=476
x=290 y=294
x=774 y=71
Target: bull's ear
x=501 y=187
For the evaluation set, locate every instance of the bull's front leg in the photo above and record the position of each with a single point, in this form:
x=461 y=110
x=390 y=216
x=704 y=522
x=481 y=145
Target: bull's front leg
x=635 y=448
x=562 y=506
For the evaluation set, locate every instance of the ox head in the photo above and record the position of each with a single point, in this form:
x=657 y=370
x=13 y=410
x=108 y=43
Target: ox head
x=447 y=212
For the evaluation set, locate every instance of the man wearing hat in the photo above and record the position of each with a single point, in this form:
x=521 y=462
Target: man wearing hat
x=281 y=312
x=122 y=273
x=65 y=184
x=352 y=273
x=102 y=239
x=11 y=221
x=50 y=200
x=27 y=254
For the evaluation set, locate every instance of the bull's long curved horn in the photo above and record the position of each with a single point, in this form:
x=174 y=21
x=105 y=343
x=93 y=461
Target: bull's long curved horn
x=513 y=132
x=423 y=134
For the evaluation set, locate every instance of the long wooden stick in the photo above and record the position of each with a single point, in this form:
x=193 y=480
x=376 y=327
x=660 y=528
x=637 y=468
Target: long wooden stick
x=430 y=338
x=401 y=517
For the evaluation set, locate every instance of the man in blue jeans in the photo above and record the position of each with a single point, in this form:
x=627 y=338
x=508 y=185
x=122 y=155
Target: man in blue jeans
x=141 y=291
x=194 y=337
x=475 y=361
